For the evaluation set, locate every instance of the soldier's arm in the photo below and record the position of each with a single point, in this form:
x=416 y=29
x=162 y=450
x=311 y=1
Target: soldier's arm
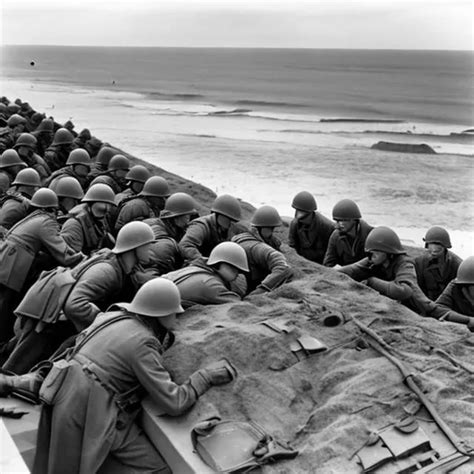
x=172 y=398
x=330 y=259
x=193 y=239
x=357 y=271
x=276 y=262
x=97 y=283
x=73 y=234
x=401 y=288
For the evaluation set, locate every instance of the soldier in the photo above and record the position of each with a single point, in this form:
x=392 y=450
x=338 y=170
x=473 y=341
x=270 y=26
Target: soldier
x=346 y=244
x=209 y=281
x=87 y=230
x=10 y=165
x=58 y=152
x=16 y=125
x=44 y=136
x=117 y=169
x=100 y=281
x=36 y=232
x=204 y=233
x=438 y=266
x=93 y=146
x=78 y=166
x=149 y=203
x=389 y=271
x=25 y=147
x=135 y=179
x=169 y=229
x=268 y=267
x=90 y=418
x=69 y=194
x=309 y=231
x=4 y=184
x=456 y=302
x=82 y=138
x=102 y=161
x=70 y=127
x=16 y=203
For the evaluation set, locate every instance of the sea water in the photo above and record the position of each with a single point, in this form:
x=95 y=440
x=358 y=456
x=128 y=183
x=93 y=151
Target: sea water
x=263 y=124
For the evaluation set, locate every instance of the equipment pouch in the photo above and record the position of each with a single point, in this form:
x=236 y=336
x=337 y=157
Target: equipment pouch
x=54 y=381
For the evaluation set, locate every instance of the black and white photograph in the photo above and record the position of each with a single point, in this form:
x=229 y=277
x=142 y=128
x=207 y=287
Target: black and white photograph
x=236 y=236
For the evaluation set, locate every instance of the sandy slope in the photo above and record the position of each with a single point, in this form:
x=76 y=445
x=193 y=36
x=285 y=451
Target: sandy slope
x=327 y=404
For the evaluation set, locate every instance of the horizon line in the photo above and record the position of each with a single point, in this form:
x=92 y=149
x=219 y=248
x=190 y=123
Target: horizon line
x=235 y=47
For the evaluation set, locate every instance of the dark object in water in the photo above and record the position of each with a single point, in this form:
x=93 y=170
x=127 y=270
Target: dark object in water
x=404 y=147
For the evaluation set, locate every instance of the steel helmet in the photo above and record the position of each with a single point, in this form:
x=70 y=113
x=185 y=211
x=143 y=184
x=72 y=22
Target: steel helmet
x=79 y=156
x=228 y=206
x=179 y=204
x=304 y=201
x=346 y=210
x=156 y=298
x=44 y=198
x=266 y=216
x=46 y=125
x=13 y=108
x=63 y=137
x=15 y=120
x=119 y=162
x=138 y=173
x=133 y=235
x=465 y=275
x=3 y=108
x=28 y=177
x=437 y=235
x=100 y=193
x=385 y=240
x=68 y=187
x=26 y=139
x=9 y=158
x=231 y=253
x=105 y=155
x=156 y=186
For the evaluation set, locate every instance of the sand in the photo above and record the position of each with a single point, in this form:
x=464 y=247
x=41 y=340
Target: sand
x=326 y=405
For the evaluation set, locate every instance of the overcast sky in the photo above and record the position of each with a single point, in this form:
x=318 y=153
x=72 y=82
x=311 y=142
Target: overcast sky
x=382 y=24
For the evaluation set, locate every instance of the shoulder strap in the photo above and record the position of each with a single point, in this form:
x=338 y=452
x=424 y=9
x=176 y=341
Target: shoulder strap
x=89 y=333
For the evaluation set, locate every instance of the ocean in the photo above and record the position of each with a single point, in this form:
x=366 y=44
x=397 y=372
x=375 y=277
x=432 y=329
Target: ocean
x=263 y=124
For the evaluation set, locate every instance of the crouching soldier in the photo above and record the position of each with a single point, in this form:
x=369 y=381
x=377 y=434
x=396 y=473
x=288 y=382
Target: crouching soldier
x=86 y=227
x=169 y=229
x=19 y=254
x=149 y=203
x=389 y=271
x=95 y=284
x=346 y=244
x=268 y=267
x=204 y=233
x=456 y=302
x=438 y=265
x=93 y=397
x=210 y=282
x=309 y=231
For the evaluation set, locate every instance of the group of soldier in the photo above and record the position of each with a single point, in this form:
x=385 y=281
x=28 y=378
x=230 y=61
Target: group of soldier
x=82 y=230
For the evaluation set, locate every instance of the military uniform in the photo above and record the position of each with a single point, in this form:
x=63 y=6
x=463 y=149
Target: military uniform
x=56 y=156
x=200 y=284
x=83 y=232
x=38 y=164
x=137 y=208
x=268 y=267
x=397 y=281
x=23 y=242
x=343 y=249
x=61 y=173
x=434 y=274
x=454 y=305
x=165 y=255
x=85 y=425
x=14 y=208
x=310 y=240
x=105 y=178
x=201 y=236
